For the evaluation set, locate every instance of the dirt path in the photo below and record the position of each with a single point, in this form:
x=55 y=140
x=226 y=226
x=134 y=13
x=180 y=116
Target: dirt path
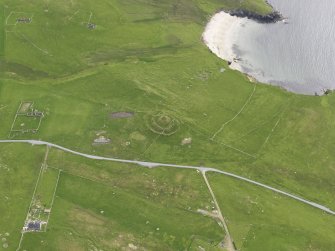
x=44 y=165
x=228 y=240
x=236 y=115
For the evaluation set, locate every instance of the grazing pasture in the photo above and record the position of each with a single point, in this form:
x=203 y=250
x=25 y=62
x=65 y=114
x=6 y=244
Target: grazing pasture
x=136 y=76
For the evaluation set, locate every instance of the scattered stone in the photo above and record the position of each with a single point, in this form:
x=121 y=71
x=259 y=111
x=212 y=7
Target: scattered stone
x=121 y=115
x=7 y=234
x=91 y=26
x=251 y=79
x=3 y=239
x=5 y=245
x=132 y=246
x=157 y=229
x=222 y=70
x=186 y=141
x=25 y=20
x=102 y=212
x=99 y=133
x=47 y=210
x=222 y=244
x=201 y=248
x=101 y=140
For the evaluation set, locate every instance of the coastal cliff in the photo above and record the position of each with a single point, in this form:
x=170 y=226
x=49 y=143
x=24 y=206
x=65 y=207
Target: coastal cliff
x=272 y=17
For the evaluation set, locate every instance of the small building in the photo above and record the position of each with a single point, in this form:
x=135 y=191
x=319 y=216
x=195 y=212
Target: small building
x=34 y=226
x=47 y=210
x=101 y=140
x=25 y=20
x=91 y=26
x=186 y=141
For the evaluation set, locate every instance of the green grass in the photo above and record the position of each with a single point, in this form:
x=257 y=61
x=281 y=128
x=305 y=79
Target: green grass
x=19 y=168
x=2 y=33
x=182 y=188
x=46 y=186
x=104 y=205
x=258 y=6
x=23 y=123
x=147 y=57
x=263 y=220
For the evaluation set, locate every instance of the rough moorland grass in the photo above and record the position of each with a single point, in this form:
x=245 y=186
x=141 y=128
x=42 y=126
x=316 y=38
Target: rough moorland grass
x=263 y=220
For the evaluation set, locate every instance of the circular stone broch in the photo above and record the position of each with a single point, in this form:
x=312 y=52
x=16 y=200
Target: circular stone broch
x=163 y=124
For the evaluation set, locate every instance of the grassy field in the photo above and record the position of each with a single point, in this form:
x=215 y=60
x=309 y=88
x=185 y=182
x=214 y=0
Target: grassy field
x=2 y=32
x=106 y=206
x=19 y=168
x=147 y=58
x=263 y=220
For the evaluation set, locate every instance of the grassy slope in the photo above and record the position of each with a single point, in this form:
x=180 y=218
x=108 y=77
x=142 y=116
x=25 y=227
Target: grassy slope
x=146 y=57
x=263 y=220
x=2 y=32
x=19 y=168
x=147 y=62
x=153 y=209
x=259 y=6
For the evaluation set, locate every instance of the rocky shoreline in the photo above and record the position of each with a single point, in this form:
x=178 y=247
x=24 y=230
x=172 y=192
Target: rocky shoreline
x=272 y=17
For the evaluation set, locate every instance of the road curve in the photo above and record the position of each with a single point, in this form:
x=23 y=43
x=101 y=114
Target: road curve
x=155 y=164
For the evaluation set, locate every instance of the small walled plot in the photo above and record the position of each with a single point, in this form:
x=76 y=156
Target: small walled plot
x=25 y=124
x=16 y=17
x=24 y=107
x=83 y=17
x=23 y=20
x=27 y=119
x=42 y=202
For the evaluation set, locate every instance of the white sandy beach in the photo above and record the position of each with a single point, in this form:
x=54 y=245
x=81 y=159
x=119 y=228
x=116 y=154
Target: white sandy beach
x=220 y=34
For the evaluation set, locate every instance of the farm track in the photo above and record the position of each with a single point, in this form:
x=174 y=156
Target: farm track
x=155 y=164
x=229 y=240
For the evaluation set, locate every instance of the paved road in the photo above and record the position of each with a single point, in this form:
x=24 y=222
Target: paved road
x=155 y=164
